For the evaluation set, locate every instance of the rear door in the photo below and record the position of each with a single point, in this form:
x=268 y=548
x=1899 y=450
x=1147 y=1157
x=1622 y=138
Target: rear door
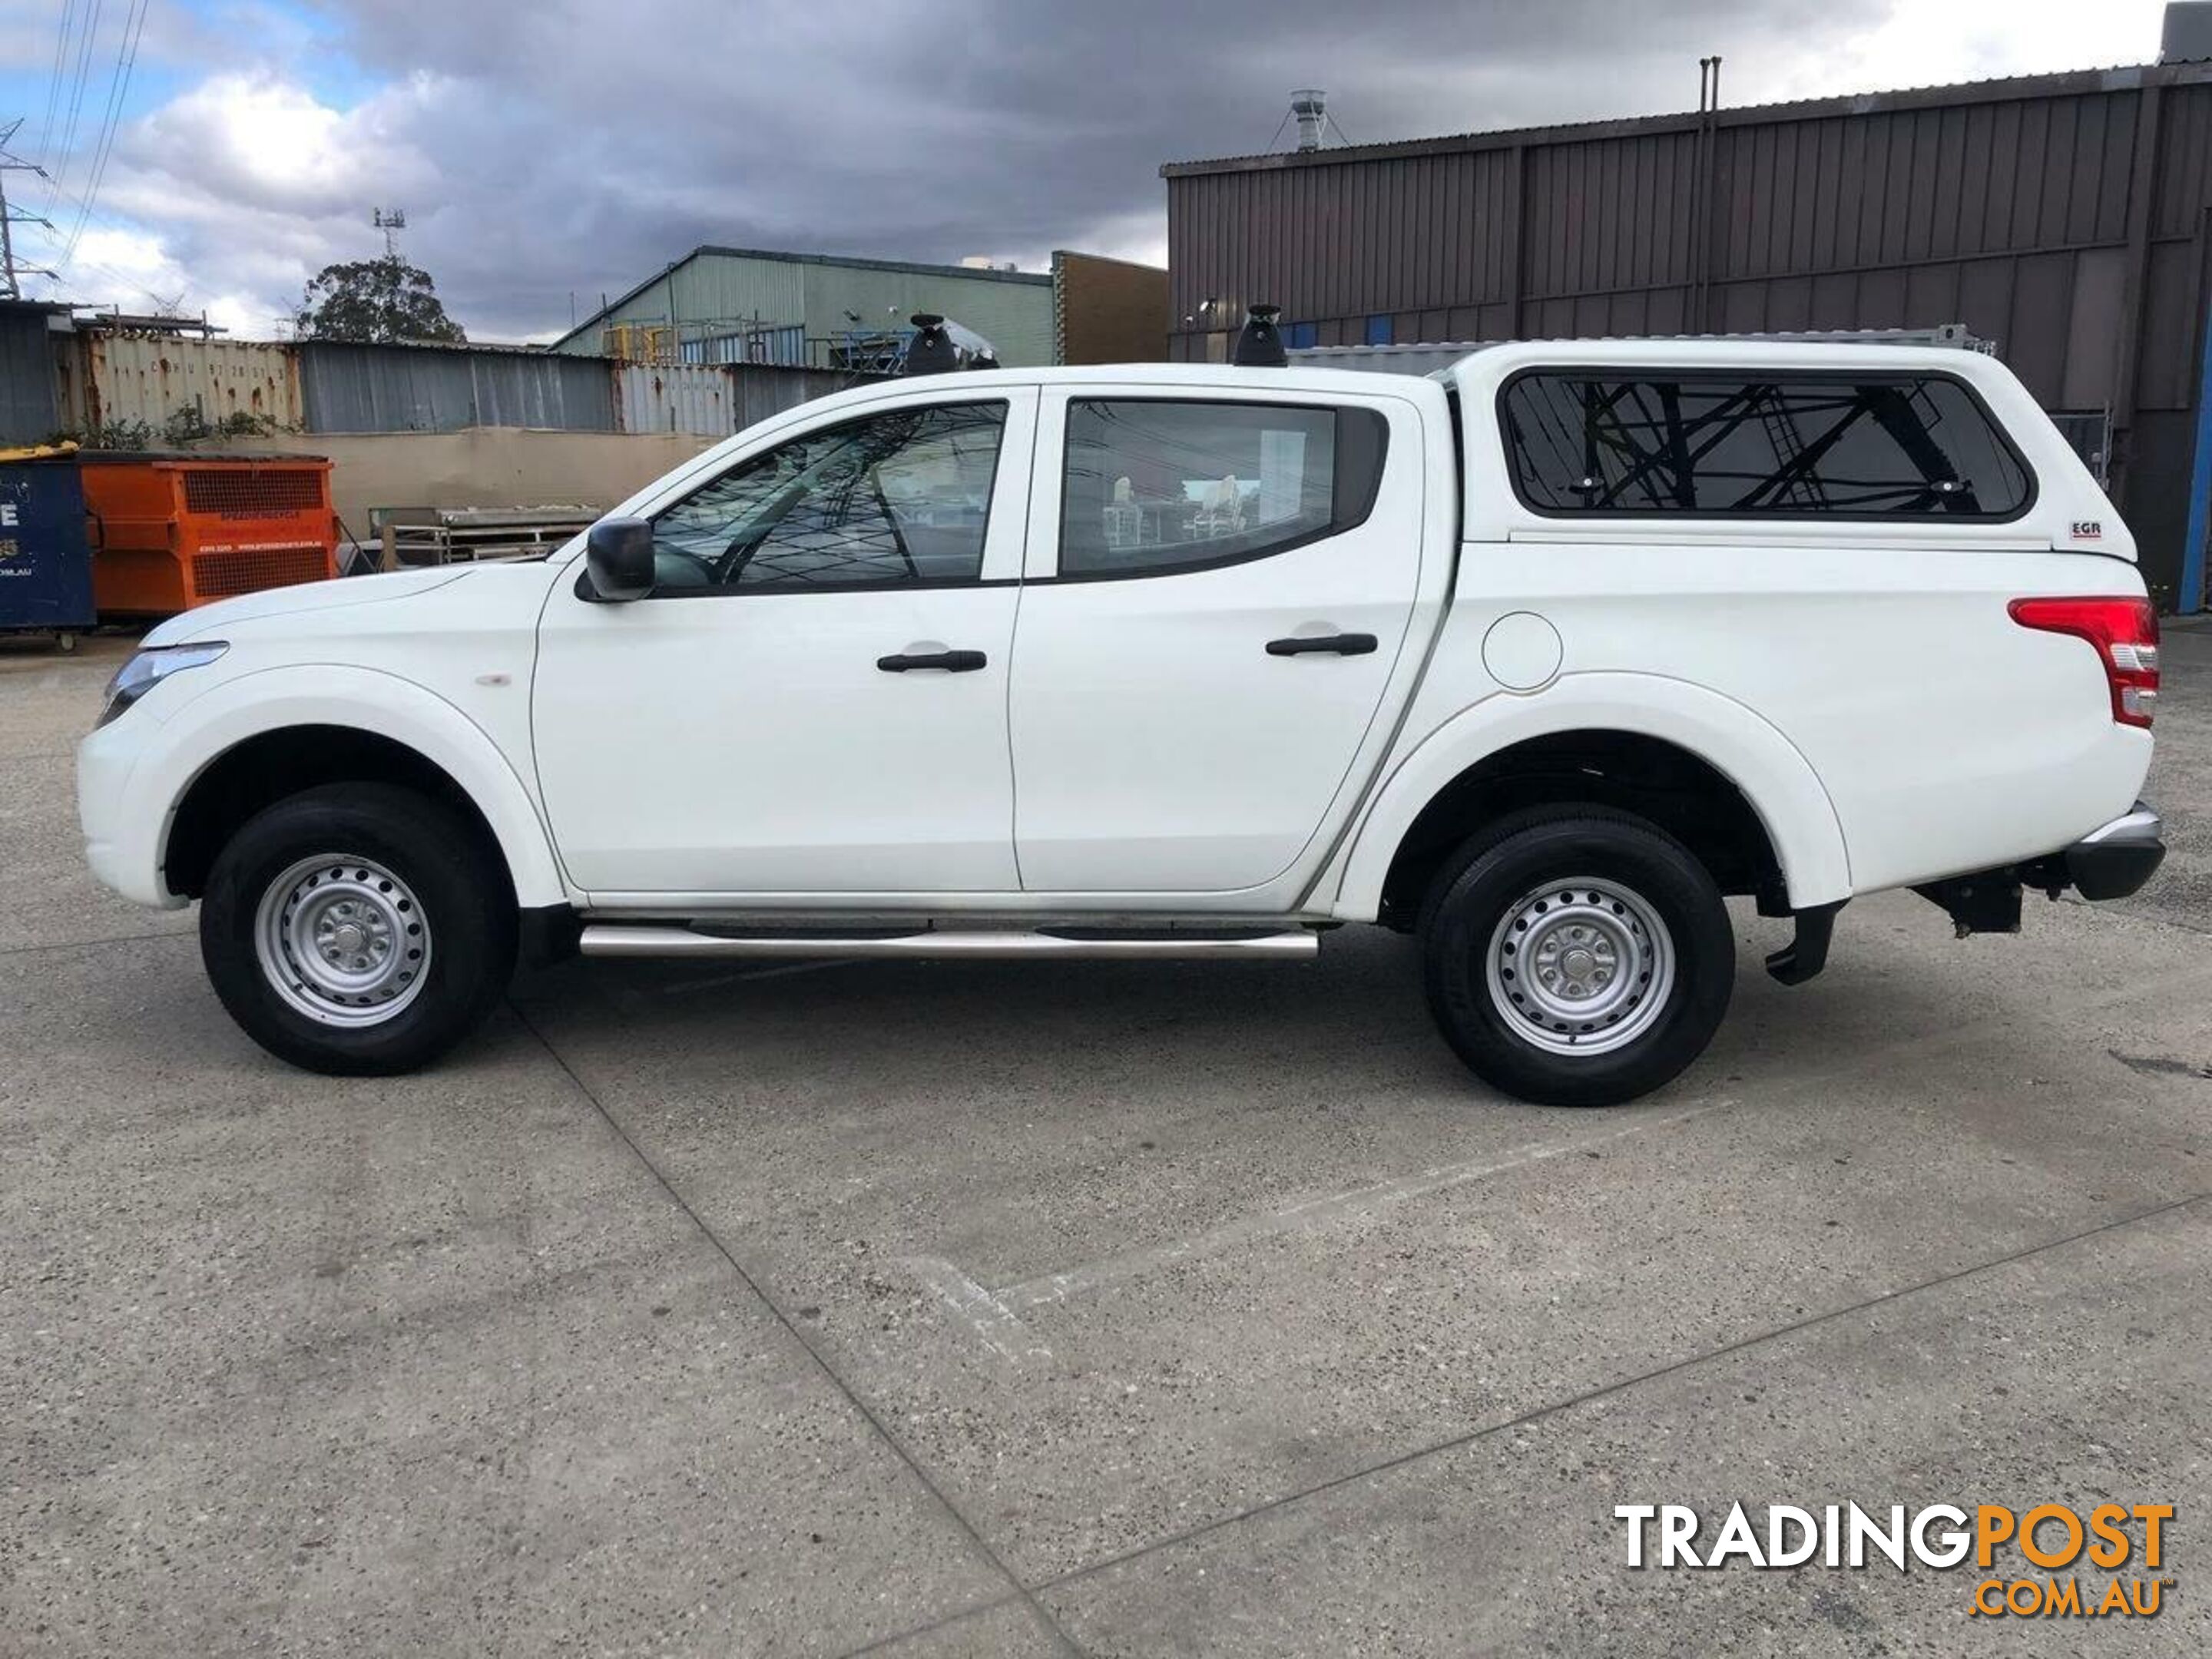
x=1218 y=594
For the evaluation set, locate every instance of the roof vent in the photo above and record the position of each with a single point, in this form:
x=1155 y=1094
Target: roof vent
x=1258 y=344
x=2187 y=36
x=1309 y=109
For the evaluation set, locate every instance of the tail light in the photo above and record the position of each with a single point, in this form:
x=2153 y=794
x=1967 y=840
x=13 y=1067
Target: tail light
x=2125 y=634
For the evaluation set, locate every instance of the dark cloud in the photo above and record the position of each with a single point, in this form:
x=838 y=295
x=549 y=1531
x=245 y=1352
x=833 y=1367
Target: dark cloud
x=547 y=149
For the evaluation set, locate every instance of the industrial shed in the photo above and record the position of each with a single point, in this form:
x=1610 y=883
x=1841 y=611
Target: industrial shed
x=748 y=305
x=2068 y=218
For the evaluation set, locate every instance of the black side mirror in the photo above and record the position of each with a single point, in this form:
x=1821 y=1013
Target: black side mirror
x=619 y=558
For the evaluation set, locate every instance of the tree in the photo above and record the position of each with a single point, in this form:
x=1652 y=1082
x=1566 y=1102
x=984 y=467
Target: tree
x=379 y=300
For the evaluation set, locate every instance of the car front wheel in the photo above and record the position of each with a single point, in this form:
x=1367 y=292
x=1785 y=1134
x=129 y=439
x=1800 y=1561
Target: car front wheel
x=1576 y=956
x=357 y=928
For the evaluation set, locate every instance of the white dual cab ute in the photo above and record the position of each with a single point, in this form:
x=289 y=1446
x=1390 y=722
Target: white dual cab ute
x=1540 y=657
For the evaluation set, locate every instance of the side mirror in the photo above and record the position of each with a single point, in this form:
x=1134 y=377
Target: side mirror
x=618 y=559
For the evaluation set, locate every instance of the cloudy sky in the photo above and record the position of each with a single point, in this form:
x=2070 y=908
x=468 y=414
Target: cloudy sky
x=546 y=151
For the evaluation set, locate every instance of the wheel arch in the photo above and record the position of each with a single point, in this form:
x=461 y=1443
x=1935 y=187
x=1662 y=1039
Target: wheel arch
x=1651 y=740
x=224 y=757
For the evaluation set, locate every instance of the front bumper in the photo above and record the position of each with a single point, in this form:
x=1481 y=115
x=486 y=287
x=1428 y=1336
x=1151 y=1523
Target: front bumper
x=2116 y=859
x=123 y=832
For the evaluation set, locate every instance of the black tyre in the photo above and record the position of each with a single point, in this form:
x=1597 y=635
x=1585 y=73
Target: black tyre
x=1576 y=956
x=357 y=929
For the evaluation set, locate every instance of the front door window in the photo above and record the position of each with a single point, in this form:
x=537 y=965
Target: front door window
x=899 y=497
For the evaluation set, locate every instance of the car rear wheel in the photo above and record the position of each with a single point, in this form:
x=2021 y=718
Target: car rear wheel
x=357 y=928
x=1576 y=956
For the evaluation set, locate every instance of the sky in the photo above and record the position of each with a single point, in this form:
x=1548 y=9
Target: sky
x=213 y=155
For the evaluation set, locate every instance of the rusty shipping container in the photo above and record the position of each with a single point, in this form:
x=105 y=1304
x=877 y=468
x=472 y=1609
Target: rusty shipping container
x=176 y=386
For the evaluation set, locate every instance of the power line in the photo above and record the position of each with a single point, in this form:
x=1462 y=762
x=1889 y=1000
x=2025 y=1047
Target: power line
x=54 y=82
x=76 y=103
x=118 y=90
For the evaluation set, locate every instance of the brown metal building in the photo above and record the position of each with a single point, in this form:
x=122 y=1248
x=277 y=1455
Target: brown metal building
x=2066 y=217
x=1107 y=311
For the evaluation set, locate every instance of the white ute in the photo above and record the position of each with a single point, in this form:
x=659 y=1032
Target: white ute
x=1540 y=657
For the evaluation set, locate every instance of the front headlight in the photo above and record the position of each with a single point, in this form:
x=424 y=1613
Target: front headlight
x=149 y=667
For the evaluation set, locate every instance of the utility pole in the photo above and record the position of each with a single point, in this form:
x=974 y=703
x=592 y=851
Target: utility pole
x=11 y=287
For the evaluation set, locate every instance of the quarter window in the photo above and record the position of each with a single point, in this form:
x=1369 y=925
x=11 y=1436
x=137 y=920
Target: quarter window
x=1893 y=446
x=903 y=496
x=1155 y=486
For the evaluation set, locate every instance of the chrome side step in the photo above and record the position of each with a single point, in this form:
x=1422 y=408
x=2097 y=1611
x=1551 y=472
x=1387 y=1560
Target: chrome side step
x=604 y=938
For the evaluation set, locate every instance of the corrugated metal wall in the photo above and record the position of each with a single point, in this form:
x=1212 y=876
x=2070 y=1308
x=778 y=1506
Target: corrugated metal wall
x=157 y=380
x=174 y=382
x=28 y=411
x=716 y=398
x=360 y=388
x=2068 y=217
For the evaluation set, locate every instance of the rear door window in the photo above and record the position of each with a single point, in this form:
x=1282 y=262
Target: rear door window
x=1846 y=446
x=1156 y=485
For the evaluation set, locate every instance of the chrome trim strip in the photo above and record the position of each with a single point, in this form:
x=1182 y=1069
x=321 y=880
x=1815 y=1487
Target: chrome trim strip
x=2141 y=825
x=611 y=940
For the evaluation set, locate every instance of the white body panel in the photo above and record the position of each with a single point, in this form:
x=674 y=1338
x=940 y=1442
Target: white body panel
x=1158 y=747
x=435 y=661
x=1129 y=747
x=748 y=743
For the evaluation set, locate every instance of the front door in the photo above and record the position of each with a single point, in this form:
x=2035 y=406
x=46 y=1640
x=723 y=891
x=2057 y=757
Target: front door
x=813 y=699
x=1220 y=588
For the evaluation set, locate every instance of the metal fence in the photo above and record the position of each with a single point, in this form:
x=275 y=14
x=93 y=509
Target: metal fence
x=160 y=387
x=27 y=413
x=712 y=397
x=369 y=388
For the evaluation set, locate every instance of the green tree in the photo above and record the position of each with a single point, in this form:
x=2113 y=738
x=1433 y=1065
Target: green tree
x=379 y=300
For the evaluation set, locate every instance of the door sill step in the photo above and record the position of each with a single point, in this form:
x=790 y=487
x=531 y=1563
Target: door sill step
x=975 y=944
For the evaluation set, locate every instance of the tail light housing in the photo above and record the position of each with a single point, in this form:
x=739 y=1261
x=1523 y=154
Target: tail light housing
x=2124 y=633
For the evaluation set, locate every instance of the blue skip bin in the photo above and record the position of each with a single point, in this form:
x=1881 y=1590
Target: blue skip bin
x=45 y=564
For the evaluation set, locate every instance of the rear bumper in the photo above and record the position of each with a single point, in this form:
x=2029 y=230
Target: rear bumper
x=2116 y=859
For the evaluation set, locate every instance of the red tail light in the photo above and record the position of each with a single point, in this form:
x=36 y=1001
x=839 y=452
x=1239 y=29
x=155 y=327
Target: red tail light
x=2125 y=634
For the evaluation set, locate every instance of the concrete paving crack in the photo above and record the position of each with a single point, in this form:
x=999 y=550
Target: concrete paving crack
x=979 y=1610
x=1554 y=1408
x=1036 y=1609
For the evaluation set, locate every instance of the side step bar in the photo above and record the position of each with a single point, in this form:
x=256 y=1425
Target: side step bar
x=977 y=944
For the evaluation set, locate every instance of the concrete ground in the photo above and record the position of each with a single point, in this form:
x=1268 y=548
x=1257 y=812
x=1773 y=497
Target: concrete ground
x=952 y=1309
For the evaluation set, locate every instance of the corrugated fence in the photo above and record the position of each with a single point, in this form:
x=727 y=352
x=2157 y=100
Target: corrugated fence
x=366 y=388
x=177 y=387
x=26 y=378
x=704 y=398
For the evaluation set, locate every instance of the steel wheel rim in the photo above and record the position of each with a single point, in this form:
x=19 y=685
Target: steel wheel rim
x=1582 y=966
x=343 y=940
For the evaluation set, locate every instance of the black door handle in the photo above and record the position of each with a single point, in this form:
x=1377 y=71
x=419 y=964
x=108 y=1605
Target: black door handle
x=1338 y=645
x=953 y=662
